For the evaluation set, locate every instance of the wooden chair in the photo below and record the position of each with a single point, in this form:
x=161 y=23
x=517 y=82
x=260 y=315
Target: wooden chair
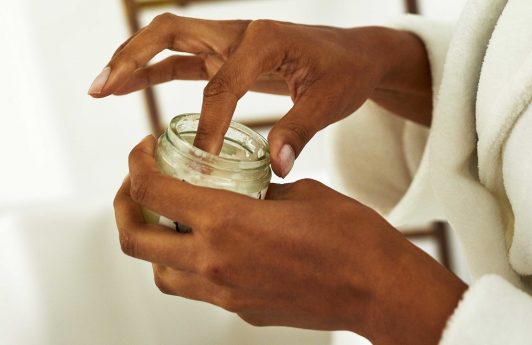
x=437 y=231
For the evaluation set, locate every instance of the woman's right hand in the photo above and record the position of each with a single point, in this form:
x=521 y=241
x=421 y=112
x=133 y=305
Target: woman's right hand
x=328 y=72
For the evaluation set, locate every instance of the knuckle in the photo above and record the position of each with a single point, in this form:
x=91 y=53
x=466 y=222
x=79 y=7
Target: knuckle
x=162 y=27
x=164 y=19
x=125 y=57
x=140 y=186
x=214 y=271
x=262 y=26
x=301 y=131
x=210 y=228
x=215 y=224
x=306 y=183
x=205 y=135
x=216 y=87
x=128 y=243
x=212 y=223
x=116 y=201
x=303 y=185
x=161 y=283
x=252 y=320
x=228 y=218
x=228 y=299
x=146 y=78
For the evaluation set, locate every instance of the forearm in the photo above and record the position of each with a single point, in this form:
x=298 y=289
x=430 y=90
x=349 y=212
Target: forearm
x=405 y=85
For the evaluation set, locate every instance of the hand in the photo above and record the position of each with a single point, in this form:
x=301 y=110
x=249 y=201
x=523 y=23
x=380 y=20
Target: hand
x=306 y=257
x=328 y=72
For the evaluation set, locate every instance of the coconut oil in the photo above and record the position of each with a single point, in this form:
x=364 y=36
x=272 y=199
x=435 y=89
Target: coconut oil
x=243 y=165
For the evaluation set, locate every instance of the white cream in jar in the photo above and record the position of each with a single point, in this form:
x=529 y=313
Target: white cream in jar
x=243 y=165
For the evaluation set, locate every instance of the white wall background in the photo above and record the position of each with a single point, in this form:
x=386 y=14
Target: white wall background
x=53 y=49
x=59 y=145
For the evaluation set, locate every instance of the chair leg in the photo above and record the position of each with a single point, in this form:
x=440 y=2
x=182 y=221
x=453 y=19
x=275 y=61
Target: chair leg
x=153 y=111
x=132 y=13
x=444 y=248
x=412 y=6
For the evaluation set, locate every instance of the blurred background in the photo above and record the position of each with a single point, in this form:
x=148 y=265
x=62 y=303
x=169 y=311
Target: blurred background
x=63 y=279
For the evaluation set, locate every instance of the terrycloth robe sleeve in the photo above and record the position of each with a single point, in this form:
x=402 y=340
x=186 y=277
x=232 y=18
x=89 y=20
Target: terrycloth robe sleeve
x=493 y=311
x=391 y=175
x=517 y=177
x=379 y=158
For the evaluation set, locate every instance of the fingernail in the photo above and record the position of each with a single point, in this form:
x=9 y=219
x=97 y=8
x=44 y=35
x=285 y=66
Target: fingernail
x=99 y=82
x=286 y=158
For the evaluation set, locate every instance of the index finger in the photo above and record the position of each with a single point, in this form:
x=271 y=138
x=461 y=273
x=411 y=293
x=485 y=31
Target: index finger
x=258 y=53
x=135 y=53
x=167 y=31
x=151 y=242
x=171 y=197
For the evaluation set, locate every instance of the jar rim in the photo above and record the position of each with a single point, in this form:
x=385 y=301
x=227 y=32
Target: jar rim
x=187 y=149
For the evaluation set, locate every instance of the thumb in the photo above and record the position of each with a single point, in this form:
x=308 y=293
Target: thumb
x=289 y=136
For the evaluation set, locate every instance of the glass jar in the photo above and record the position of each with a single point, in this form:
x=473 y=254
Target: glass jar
x=243 y=165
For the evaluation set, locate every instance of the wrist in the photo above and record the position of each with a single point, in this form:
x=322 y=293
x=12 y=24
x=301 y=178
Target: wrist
x=406 y=61
x=409 y=296
x=399 y=59
x=416 y=305
x=378 y=46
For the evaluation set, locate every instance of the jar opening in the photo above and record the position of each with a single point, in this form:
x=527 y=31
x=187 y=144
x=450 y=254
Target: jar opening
x=242 y=149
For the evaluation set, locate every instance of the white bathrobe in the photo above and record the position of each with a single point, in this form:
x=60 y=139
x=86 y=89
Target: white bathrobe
x=473 y=167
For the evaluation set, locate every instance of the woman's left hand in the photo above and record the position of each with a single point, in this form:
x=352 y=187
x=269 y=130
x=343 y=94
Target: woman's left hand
x=305 y=257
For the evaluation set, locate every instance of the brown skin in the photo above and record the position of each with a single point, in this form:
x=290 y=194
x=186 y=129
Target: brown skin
x=307 y=256
x=328 y=72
